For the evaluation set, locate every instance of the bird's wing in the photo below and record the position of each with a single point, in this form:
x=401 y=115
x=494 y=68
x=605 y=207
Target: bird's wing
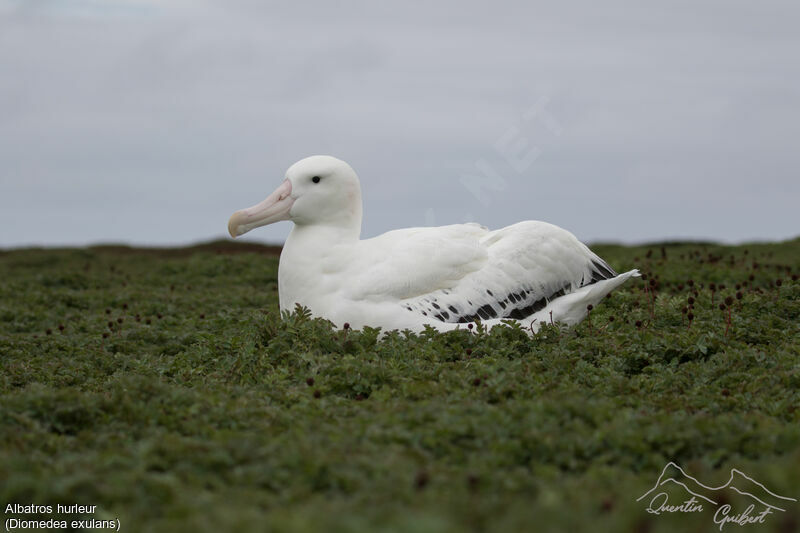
x=530 y=264
x=414 y=262
x=461 y=274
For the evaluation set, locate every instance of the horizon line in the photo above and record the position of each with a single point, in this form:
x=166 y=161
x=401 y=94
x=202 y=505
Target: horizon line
x=256 y=242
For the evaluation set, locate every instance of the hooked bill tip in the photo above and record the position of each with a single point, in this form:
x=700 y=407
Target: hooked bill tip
x=233 y=225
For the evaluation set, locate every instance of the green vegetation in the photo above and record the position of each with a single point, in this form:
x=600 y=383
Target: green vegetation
x=163 y=387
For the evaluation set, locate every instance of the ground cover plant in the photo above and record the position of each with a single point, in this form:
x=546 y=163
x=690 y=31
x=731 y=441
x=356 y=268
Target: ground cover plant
x=163 y=387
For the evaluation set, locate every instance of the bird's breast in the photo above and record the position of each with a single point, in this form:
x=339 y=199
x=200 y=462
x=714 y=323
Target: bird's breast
x=313 y=279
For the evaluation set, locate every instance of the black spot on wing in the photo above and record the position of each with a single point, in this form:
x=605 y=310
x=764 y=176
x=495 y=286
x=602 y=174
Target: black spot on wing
x=596 y=276
x=561 y=292
x=526 y=308
x=485 y=312
x=520 y=313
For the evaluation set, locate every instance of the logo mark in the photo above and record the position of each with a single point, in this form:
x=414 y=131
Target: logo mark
x=697 y=497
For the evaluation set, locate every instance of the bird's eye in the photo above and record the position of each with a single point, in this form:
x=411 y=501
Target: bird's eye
x=315 y=179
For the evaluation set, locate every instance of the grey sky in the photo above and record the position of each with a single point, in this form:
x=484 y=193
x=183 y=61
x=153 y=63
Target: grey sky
x=150 y=122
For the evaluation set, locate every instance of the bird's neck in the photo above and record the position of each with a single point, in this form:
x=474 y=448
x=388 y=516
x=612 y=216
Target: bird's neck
x=316 y=236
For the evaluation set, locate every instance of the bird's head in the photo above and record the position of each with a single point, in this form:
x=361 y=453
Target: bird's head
x=317 y=190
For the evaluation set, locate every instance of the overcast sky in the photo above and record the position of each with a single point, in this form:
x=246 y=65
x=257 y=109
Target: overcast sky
x=150 y=122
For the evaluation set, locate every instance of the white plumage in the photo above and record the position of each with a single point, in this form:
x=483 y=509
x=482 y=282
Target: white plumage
x=530 y=272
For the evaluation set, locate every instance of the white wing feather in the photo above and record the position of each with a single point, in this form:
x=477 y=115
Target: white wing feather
x=413 y=262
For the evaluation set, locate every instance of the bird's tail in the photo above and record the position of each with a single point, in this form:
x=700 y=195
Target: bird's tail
x=573 y=307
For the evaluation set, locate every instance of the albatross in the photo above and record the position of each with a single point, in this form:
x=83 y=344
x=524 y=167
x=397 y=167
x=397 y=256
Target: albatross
x=444 y=277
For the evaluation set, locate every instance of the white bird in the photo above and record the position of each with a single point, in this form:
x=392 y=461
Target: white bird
x=444 y=277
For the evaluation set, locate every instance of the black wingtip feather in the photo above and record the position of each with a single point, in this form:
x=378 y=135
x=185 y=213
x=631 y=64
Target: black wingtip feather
x=600 y=271
x=603 y=268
